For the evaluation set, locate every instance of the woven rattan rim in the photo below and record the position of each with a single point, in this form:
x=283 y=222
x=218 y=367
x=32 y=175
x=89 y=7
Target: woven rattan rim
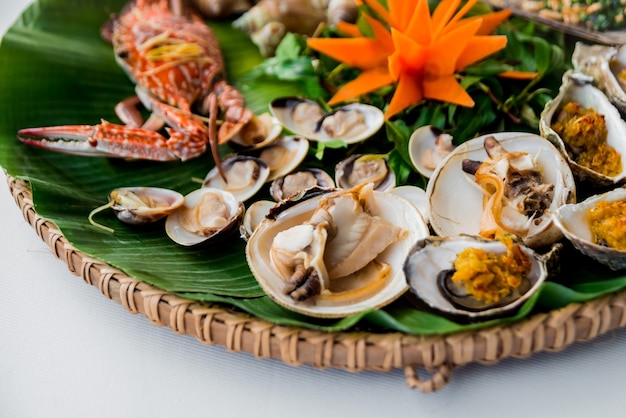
x=352 y=351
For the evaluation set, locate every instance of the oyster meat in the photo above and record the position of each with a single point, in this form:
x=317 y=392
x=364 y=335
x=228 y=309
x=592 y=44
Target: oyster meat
x=573 y=220
x=432 y=265
x=337 y=253
x=506 y=194
x=207 y=215
x=578 y=88
x=351 y=123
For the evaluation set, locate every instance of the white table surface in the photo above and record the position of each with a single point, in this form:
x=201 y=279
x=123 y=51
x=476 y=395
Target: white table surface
x=67 y=351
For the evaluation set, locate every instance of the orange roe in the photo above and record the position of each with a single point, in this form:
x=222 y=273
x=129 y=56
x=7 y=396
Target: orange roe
x=607 y=221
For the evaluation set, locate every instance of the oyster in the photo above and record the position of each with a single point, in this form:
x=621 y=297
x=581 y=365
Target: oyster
x=337 y=253
x=293 y=183
x=365 y=168
x=430 y=266
x=284 y=155
x=607 y=66
x=245 y=176
x=428 y=146
x=522 y=165
x=573 y=221
x=577 y=88
x=207 y=215
x=351 y=123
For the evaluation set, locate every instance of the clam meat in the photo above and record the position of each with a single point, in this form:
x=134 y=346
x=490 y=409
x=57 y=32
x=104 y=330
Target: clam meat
x=474 y=277
x=596 y=227
x=502 y=183
x=351 y=123
x=245 y=176
x=365 y=168
x=294 y=183
x=583 y=113
x=207 y=215
x=337 y=253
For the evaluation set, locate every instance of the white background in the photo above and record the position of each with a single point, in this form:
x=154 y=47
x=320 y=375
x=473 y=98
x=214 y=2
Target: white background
x=67 y=351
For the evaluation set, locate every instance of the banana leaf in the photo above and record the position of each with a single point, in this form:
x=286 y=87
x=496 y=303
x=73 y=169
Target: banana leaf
x=56 y=69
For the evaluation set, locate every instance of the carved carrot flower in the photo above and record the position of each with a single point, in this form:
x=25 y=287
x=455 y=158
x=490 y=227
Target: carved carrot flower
x=418 y=52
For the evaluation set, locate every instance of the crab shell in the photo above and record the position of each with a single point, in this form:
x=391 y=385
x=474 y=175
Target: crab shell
x=307 y=118
x=578 y=87
x=136 y=212
x=192 y=211
x=572 y=220
x=433 y=255
x=391 y=208
x=456 y=201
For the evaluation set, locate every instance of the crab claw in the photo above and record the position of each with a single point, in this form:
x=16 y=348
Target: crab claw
x=106 y=139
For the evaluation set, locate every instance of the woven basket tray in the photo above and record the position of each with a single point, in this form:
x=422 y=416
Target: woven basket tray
x=352 y=351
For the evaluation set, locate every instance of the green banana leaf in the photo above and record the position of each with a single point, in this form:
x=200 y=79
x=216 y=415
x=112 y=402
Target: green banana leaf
x=55 y=70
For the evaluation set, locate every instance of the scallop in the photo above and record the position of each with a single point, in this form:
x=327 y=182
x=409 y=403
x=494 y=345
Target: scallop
x=284 y=155
x=607 y=66
x=245 y=176
x=428 y=146
x=140 y=205
x=458 y=203
x=207 y=215
x=351 y=123
x=572 y=220
x=430 y=264
x=293 y=183
x=365 y=168
x=337 y=253
x=578 y=88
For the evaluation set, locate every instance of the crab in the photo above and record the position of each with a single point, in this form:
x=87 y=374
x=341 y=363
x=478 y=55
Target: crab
x=174 y=59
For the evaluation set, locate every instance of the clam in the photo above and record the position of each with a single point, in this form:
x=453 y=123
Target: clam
x=530 y=175
x=284 y=155
x=607 y=66
x=430 y=268
x=365 y=168
x=336 y=253
x=293 y=183
x=255 y=213
x=415 y=195
x=207 y=215
x=258 y=133
x=351 y=123
x=428 y=146
x=577 y=89
x=140 y=205
x=245 y=176
x=573 y=221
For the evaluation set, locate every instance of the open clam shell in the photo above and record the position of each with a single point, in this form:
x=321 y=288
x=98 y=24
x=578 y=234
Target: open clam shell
x=572 y=220
x=607 y=66
x=350 y=296
x=428 y=146
x=141 y=205
x=293 y=183
x=351 y=123
x=456 y=201
x=284 y=155
x=245 y=176
x=207 y=215
x=578 y=87
x=434 y=255
x=365 y=168
x=261 y=131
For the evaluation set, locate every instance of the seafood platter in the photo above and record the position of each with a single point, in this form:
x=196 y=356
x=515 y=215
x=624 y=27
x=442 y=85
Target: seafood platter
x=302 y=181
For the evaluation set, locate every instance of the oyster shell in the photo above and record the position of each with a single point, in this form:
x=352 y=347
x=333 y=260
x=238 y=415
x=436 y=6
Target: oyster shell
x=429 y=262
x=140 y=205
x=207 y=215
x=604 y=64
x=578 y=88
x=349 y=244
x=572 y=220
x=351 y=123
x=293 y=183
x=365 y=168
x=284 y=155
x=456 y=201
x=428 y=146
x=245 y=176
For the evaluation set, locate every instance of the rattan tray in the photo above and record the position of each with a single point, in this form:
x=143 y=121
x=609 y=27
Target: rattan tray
x=352 y=351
